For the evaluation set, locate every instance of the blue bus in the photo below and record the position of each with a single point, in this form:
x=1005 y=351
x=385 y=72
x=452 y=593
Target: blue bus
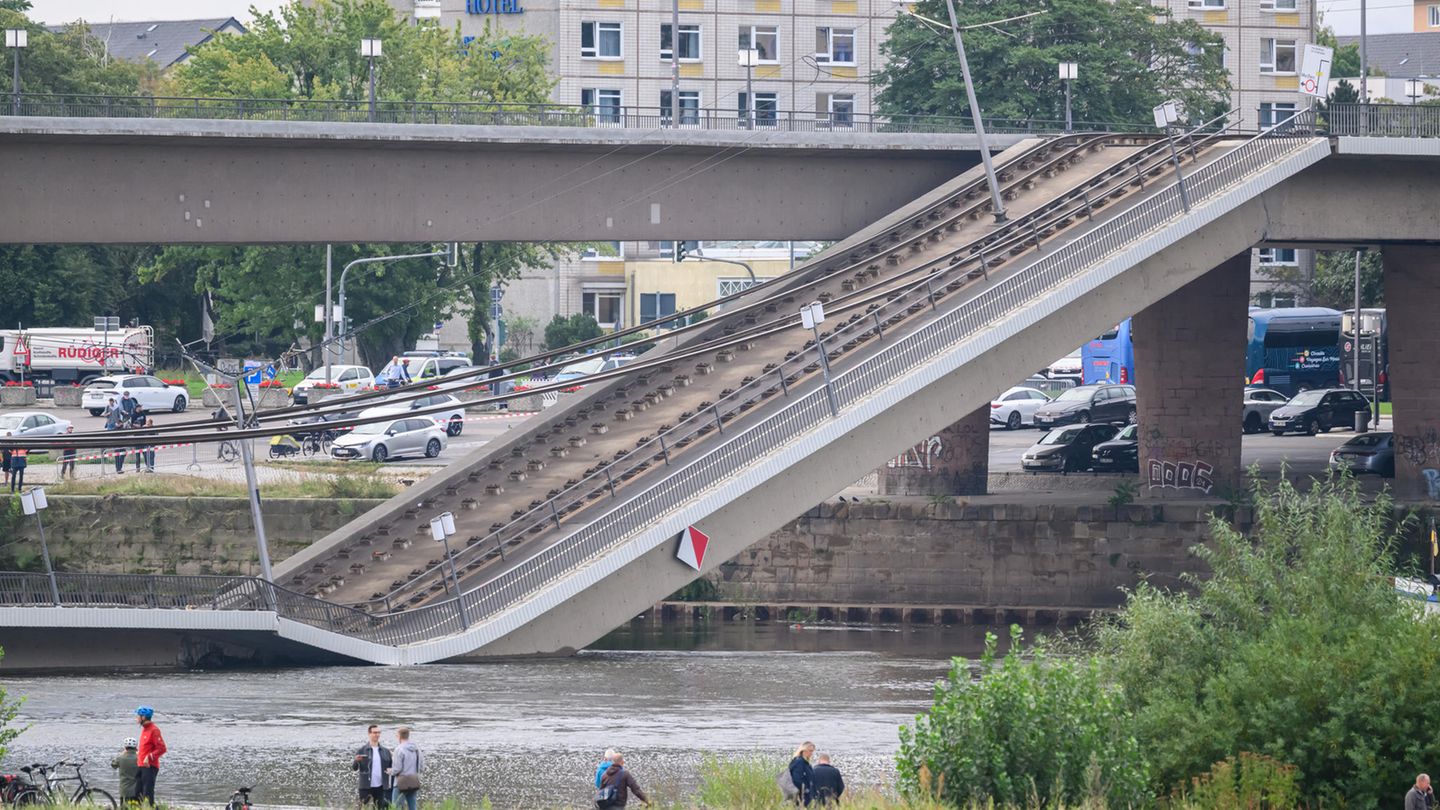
x=1110 y=357
x=1293 y=349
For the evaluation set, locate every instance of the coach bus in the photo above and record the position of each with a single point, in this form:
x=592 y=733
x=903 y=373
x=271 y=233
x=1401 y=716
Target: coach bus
x=1293 y=349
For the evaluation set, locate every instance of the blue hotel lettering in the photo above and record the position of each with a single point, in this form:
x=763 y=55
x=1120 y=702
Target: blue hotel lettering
x=493 y=7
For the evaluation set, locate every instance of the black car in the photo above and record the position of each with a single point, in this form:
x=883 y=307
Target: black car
x=1366 y=453
x=1121 y=453
x=1318 y=410
x=1089 y=403
x=1066 y=449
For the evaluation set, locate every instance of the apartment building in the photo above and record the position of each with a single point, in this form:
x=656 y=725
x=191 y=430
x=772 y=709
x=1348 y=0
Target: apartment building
x=1427 y=16
x=816 y=57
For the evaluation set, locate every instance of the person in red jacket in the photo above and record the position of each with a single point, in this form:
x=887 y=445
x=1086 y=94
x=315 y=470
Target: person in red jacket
x=152 y=747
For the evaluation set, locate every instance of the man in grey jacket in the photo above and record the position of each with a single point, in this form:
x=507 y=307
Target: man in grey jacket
x=1415 y=799
x=406 y=768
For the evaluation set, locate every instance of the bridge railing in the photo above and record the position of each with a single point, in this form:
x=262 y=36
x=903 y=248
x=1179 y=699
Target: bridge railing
x=491 y=114
x=137 y=591
x=1384 y=120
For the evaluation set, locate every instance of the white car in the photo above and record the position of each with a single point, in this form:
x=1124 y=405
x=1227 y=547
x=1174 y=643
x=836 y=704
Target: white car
x=452 y=420
x=32 y=423
x=152 y=392
x=1068 y=366
x=349 y=378
x=1016 y=407
x=378 y=441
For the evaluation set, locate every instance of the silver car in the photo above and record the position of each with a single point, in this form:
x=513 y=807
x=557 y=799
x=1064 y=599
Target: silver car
x=1259 y=404
x=32 y=423
x=379 y=441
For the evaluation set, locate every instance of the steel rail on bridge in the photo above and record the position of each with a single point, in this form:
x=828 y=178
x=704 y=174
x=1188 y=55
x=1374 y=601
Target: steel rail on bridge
x=547 y=115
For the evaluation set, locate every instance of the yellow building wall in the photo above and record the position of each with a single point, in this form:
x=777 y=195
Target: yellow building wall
x=693 y=281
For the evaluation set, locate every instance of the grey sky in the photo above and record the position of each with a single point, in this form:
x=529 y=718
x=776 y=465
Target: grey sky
x=63 y=11
x=1385 y=16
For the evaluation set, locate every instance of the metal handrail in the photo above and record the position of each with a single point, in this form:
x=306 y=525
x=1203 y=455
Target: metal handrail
x=515 y=114
x=1384 y=120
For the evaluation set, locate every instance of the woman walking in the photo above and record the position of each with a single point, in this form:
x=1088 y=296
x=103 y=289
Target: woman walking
x=406 y=765
x=802 y=774
x=18 y=461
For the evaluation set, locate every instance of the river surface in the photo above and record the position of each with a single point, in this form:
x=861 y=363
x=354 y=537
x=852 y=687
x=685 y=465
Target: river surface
x=523 y=733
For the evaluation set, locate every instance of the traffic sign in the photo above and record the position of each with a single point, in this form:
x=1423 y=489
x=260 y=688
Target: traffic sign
x=693 y=543
x=496 y=311
x=1315 y=71
x=497 y=293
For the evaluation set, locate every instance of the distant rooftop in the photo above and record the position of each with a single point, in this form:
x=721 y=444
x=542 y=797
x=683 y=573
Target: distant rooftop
x=1419 y=53
x=162 y=41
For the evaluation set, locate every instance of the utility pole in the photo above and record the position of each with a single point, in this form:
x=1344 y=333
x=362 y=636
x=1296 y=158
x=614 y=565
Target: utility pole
x=1364 y=62
x=252 y=487
x=1355 y=327
x=329 y=312
x=996 y=200
x=675 y=64
x=371 y=50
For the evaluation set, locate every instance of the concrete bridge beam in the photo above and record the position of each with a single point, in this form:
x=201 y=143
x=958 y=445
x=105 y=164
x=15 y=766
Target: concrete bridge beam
x=1412 y=297
x=955 y=461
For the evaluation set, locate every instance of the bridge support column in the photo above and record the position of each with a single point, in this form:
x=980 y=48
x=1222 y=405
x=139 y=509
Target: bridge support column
x=955 y=461
x=1189 y=386
x=1412 y=297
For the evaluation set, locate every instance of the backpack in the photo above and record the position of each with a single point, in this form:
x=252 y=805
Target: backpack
x=787 y=785
x=609 y=795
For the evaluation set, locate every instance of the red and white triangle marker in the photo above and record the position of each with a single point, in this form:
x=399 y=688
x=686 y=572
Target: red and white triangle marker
x=693 y=543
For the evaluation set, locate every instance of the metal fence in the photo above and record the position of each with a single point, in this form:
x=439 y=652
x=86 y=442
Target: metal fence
x=1384 y=120
x=547 y=115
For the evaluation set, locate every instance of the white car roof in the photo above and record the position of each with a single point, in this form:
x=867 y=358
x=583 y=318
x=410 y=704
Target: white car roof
x=116 y=378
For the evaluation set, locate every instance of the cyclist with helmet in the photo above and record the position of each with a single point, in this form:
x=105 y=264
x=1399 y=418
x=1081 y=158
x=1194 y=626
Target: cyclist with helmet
x=128 y=764
x=152 y=747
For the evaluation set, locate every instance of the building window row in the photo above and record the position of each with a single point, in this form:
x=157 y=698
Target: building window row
x=605 y=40
x=608 y=106
x=1265 y=5
x=1278 y=257
x=1278 y=55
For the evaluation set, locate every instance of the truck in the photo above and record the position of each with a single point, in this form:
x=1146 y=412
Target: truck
x=63 y=356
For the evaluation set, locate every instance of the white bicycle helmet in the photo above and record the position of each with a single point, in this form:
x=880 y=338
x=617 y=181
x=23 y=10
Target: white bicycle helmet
x=131 y=742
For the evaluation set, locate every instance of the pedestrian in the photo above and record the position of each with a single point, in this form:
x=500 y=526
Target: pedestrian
x=617 y=785
x=151 y=748
x=127 y=407
x=802 y=775
x=604 y=765
x=406 y=772
x=829 y=785
x=143 y=453
x=67 y=457
x=372 y=766
x=5 y=458
x=1415 y=799
x=112 y=414
x=19 y=459
x=119 y=457
x=128 y=765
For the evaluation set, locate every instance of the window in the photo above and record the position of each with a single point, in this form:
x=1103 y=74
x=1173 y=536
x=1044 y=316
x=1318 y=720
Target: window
x=1277 y=5
x=835 y=45
x=689 y=42
x=764 y=108
x=836 y=108
x=1207 y=4
x=604 y=251
x=600 y=40
x=689 y=107
x=1435 y=16
x=605 y=105
x=1278 y=256
x=604 y=307
x=667 y=307
x=1273 y=113
x=763 y=38
x=1277 y=55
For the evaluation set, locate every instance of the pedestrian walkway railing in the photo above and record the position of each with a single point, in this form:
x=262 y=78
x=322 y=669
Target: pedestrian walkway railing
x=547 y=115
x=734 y=449
x=1384 y=120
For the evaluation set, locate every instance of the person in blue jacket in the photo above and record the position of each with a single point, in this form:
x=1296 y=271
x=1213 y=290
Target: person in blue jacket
x=604 y=766
x=802 y=774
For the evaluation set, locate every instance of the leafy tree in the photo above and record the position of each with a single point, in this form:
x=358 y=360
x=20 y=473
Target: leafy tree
x=1129 y=61
x=1333 y=282
x=562 y=331
x=1033 y=727
x=69 y=61
x=492 y=264
x=9 y=709
x=1295 y=647
x=1347 y=57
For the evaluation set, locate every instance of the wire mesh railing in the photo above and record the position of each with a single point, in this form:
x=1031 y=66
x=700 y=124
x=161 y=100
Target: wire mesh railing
x=1384 y=120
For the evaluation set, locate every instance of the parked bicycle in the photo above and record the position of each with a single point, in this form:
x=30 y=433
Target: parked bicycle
x=240 y=799
x=51 y=785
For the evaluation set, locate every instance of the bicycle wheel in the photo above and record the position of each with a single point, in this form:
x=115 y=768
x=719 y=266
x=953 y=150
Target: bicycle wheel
x=29 y=798
x=95 y=797
x=229 y=452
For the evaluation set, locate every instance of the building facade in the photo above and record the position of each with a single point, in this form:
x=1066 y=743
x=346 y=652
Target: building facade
x=815 y=57
x=1427 y=16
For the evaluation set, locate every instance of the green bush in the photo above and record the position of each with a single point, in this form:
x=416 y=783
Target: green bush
x=8 y=710
x=744 y=784
x=1035 y=728
x=562 y=331
x=1295 y=647
x=1253 y=782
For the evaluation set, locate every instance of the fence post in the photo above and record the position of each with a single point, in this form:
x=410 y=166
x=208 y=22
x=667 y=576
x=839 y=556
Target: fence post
x=553 y=513
x=879 y=328
x=719 y=423
x=663 y=449
x=609 y=480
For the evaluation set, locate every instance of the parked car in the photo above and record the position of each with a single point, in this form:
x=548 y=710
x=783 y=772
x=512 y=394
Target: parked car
x=152 y=392
x=1366 y=453
x=349 y=378
x=591 y=365
x=1318 y=410
x=1070 y=366
x=1121 y=453
x=1016 y=407
x=32 y=423
x=379 y=441
x=1066 y=449
x=1259 y=404
x=451 y=420
x=418 y=366
x=1089 y=403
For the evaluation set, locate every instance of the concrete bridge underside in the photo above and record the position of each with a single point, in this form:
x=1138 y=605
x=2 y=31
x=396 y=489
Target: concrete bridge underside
x=253 y=182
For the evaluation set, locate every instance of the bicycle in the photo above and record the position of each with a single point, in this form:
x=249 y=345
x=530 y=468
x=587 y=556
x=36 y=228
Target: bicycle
x=53 y=789
x=229 y=452
x=240 y=799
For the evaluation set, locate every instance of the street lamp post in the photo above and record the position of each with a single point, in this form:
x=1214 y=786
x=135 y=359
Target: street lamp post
x=1068 y=72
x=442 y=528
x=33 y=503
x=1167 y=115
x=371 y=50
x=811 y=316
x=1413 y=89
x=749 y=58
x=340 y=313
x=17 y=39
x=675 y=64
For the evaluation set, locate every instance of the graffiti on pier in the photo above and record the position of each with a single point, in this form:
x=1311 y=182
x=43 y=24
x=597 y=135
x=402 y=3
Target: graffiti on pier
x=1196 y=475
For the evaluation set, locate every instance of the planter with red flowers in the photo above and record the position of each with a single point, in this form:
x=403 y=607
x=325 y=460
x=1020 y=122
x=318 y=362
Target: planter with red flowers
x=17 y=393
x=319 y=392
x=272 y=394
x=68 y=396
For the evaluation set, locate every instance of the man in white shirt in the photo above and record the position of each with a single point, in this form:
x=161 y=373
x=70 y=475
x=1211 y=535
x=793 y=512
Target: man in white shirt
x=372 y=766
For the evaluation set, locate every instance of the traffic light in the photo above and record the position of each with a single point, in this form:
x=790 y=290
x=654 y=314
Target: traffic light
x=683 y=249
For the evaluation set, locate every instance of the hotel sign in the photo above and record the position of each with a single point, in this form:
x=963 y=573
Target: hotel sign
x=493 y=7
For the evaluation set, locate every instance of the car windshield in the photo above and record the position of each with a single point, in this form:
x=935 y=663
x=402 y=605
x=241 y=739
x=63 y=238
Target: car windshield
x=319 y=373
x=584 y=367
x=1307 y=398
x=1075 y=394
x=102 y=384
x=373 y=429
x=1062 y=435
x=1363 y=440
x=10 y=422
x=1130 y=432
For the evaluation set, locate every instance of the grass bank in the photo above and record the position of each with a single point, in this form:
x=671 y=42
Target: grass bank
x=368 y=485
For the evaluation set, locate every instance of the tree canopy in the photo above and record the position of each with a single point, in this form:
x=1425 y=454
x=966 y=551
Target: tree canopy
x=1131 y=56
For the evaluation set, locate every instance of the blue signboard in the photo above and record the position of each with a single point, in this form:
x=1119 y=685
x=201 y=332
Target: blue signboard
x=493 y=7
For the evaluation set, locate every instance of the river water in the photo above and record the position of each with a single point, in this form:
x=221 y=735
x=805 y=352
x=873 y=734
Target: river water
x=523 y=733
